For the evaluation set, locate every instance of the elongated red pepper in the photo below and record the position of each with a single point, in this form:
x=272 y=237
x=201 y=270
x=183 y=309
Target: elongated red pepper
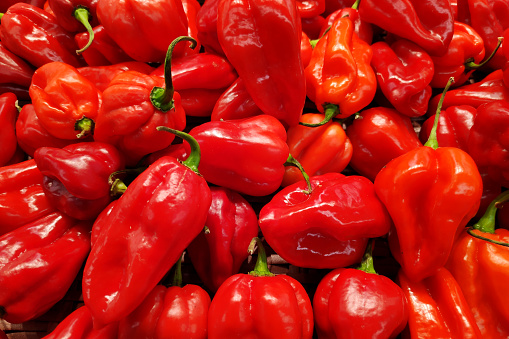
x=359 y=303
x=23 y=24
x=363 y=29
x=218 y=253
x=38 y=263
x=277 y=306
x=268 y=62
x=14 y=71
x=8 y=116
x=191 y=8
x=144 y=30
x=206 y=22
x=235 y=103
x=428 y=23
x=144 y=234
x=406 y=83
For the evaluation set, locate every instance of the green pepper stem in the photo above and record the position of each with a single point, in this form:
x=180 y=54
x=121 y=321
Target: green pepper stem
x=487 y=222
x=367 y=264
x=85 y=126
x=330 y=111
x=432 y=139
x=261 y=268
x=1 y=15
x=193 y=160
x=162 y=98
x=478 y=236
x=291 y=161
x=117 y=188
x=470 y=64
x=356 y=4
x=177 y=276
x=82 y=14
x=315 y=41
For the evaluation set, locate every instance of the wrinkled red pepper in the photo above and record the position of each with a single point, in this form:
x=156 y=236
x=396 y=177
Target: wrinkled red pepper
x=206 y=23
x=262 y=41
x=38 y=263
x=8 y=116
x=235 y=103
x=219 y=252
x=363 y=29
x=14 y=72
x=261 y=305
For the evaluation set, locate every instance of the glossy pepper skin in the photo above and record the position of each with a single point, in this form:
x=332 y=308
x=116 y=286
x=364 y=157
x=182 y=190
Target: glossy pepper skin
x=327 y=228
x=14 y=71
x=319 y=150
x=428 y=23
x=38 y=263
x=206 y=24
x=378 y=136
x=144 y=29
x=144 y=234
x=310 y=8
x=339 y=73
x=259 y=141
x=66 y=103
x=262 y=41
x=8 y=116
x=65 y=170
x=23 y=24
x=363 y=29
x=406 y=82
x=437 y=308
x=260 y=305
x=359 y=303
x=218 y=253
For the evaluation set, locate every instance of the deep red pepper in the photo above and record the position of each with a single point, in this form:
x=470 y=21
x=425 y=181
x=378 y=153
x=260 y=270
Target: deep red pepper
x=38 y=263
x=261 y=305
x=23 y=24
x=235 y=103
x=310 y=8
x=191 y=8
x=262 y=41
x=328 y=227
x=428 y=23
x=14 y=70
x=252 y=153
x=505 y=50
x=219 y=252
x=144 y=29
x=333 y=5
x=378 y=136
x=406 y=83
x=206 y=22
x=313 y=26
x=154 y=220
x=8 y=116
x=8 y=3
x=359 y=303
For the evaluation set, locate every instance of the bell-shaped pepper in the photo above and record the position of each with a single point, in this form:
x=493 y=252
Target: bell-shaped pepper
x=144 y=234
x=327 y=227
x=14 y=71
x=431 y=194
x=34 y=35
x=177 y=311
x=66 y=103
x=428 y=23
x=319 y=150
x=38 y=263
x=379 y=135
x=206 y=23
x=219 y=252
x=262 y=41
x=65 y=170
x=8 y=116
x=144 y=29
x=245 y=155
x=480 y=263
x=359 y=303
x=406 y=82
x=339 y=77
x=437 y=308
x=261 y=305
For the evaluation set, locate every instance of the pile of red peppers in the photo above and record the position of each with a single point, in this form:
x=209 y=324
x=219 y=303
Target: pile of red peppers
x=363 y=142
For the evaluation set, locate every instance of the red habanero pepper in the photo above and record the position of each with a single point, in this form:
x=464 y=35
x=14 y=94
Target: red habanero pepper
x=363 y=29
x=312 y=27
x=262 y=41
x=103 y=50
x=428 y=23
x=235 y=103
x=245 y=155
x=319 y=150
x=8 y=116
x=4 y=6
x=34 y=35
x=437 y=308
x=76 y=178
x=480 y=263
x=38 y=263
x=219 y=252
x=260 y=305
x=339 y=77
x=14 y=71
x=79 y=324
x=179 y=312
x=406 y=83
x=206 y=22
x=431 y=194
x=191 y=8
x=310 y=8
x=379 y=135
x=505 y=50
x=144 y=29
x=144 y=234
x=66 y=103
x=134 y=104
x=359 y=303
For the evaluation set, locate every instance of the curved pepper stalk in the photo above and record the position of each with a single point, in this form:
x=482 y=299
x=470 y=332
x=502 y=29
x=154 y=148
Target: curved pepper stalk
x=193 y=160
x=432 y=140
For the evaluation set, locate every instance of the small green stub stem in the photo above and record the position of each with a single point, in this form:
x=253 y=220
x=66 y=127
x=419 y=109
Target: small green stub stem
x=432 y=139
x=367 y=264
x=82 y=14
x=85 y=127
x=291 y=161
x=261 y=268
x=193 y=160
x=117 y=188
x=177 y=277
x=330 y=111
x=315 y=41
x=487 y=222
x=470 y=64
